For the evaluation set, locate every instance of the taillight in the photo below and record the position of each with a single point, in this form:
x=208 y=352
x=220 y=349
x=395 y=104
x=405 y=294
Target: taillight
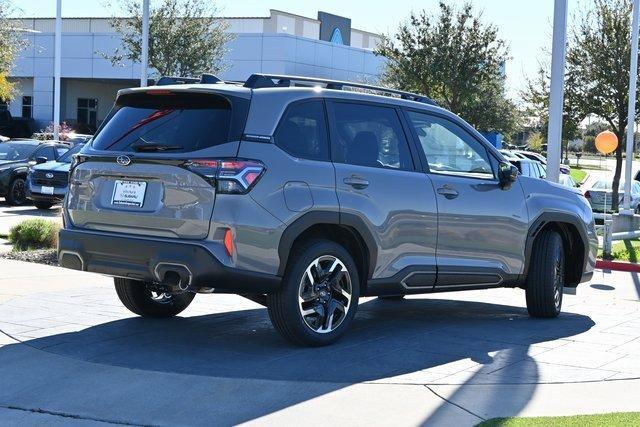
x=587 y=195
x=229 y=176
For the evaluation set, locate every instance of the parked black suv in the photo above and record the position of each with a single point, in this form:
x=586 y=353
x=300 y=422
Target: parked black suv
x=15 y=159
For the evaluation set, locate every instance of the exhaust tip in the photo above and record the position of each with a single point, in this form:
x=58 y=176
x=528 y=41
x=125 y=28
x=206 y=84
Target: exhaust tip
x=175 y=276
x=71 y=260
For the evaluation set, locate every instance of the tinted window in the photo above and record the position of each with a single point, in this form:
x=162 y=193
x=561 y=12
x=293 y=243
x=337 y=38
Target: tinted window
x=303 y=131
x=68 y=155
x=168 y=123
x=528 y=169
x=47 y=152
x=368 y=135
x=448 y=148
x=543 y=172
x=9 y=152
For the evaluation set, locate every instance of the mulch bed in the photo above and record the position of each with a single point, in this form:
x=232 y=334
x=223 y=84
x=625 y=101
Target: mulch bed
x=40 y=256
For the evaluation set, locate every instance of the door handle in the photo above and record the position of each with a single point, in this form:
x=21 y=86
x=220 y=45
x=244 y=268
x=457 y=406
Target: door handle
x=356 y=182
x=447 y=192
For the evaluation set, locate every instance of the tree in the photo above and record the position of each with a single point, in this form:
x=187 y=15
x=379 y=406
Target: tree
x=535 y=141
x=185 y=39
x=10 y=44
x=598 y=70
x=455 y=59
x=536 y=97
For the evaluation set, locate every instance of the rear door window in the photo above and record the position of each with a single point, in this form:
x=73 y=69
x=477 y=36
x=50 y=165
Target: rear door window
x=168 y=122
x=369 y=135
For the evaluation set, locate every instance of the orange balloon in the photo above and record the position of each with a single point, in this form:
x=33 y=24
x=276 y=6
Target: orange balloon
x=606 y=142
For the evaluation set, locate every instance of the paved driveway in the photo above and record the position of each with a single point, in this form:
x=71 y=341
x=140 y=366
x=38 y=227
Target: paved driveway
x=71 y=350
x=12 y=215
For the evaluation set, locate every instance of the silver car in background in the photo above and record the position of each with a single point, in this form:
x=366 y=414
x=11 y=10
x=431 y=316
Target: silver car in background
x=600 y=195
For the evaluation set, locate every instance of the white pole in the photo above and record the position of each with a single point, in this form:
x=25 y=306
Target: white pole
x=56 y=71
x=558 y=53
x=631 y=117
x=145 y=43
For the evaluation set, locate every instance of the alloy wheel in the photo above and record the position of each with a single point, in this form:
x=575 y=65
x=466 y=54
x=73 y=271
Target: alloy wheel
x=558 y=282
x=19 y=191
x=161 y=298
x=325 y=294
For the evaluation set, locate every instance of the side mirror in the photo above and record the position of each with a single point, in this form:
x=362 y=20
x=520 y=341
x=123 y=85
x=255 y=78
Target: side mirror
x=41 y=160
x=507 y=174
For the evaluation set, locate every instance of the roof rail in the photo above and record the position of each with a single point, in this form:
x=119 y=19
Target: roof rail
x=258 y=80
x=170 y=80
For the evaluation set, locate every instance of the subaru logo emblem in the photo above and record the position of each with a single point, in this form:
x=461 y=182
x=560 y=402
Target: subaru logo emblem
x=123 y=160
x=49 y=175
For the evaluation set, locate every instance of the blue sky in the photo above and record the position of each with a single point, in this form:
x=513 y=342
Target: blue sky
x=525 y=25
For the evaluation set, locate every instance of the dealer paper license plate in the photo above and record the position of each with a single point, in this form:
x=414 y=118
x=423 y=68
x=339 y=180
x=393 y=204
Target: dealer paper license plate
x=129 y=193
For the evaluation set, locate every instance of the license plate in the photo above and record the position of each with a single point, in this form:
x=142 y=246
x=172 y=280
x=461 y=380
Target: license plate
x=129 y=193
x=46 y=190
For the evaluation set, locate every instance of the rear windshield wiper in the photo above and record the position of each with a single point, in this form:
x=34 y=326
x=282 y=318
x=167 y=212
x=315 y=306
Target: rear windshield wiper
x=156 y=147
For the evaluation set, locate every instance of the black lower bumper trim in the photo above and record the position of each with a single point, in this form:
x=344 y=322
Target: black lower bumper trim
x=45 y=198
x=138 y=258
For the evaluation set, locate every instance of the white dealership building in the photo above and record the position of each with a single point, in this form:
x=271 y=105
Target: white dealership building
x=281 y=43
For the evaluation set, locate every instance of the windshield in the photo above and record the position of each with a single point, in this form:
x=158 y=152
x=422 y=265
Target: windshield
x=172 y=122
x=9 y=152
x=68 y=155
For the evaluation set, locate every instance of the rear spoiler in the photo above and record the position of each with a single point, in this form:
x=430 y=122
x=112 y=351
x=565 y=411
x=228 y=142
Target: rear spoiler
x=205 y=79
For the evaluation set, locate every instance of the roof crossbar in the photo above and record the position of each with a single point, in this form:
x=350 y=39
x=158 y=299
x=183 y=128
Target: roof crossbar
x=258 y=80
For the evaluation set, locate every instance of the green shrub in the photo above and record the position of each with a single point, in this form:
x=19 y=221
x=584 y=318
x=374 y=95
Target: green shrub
x=34 y=234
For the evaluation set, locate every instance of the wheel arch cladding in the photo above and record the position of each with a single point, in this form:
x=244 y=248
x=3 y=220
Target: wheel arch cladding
x=574 y=239
x=347 y=230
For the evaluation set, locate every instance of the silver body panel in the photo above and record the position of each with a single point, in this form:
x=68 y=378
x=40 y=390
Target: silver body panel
x=484 y=230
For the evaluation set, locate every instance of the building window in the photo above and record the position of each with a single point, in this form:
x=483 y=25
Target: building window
x=27 y=107
x=87 y=111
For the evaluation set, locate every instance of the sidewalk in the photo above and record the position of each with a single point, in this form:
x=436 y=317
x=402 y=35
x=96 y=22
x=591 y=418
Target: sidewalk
x=447 y=359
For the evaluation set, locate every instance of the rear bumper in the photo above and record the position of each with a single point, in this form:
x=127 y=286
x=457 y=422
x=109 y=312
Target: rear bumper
x=148 y=259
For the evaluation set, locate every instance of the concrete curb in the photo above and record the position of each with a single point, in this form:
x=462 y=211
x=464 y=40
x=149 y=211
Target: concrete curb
x=617 y=265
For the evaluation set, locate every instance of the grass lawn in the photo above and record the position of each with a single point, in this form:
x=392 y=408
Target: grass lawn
x=624 y=250
x=578 y=175
x=619 y=419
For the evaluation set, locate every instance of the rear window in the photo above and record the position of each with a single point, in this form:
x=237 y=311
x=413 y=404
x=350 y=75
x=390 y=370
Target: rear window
x=171 y=122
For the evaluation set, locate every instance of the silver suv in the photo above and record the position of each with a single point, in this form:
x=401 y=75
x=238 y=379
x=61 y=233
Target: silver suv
x=305 y=195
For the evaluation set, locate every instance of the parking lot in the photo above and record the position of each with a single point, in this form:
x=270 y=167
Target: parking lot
x=451 y=359
x=12 y=215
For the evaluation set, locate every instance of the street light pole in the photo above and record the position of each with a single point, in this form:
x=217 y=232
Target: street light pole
x=558 y=53
x=145 y=43
x=631 y=114
x=56 y=71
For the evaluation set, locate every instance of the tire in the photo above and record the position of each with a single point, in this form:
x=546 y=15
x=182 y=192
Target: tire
x=139 y=300
x=286 y=307
x=17 y=194
x=391 y=297
x=43 y=205
x=545 y=281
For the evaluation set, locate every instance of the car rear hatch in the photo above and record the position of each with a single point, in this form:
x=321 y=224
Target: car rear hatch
x=151 y=168
x=601 y=199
